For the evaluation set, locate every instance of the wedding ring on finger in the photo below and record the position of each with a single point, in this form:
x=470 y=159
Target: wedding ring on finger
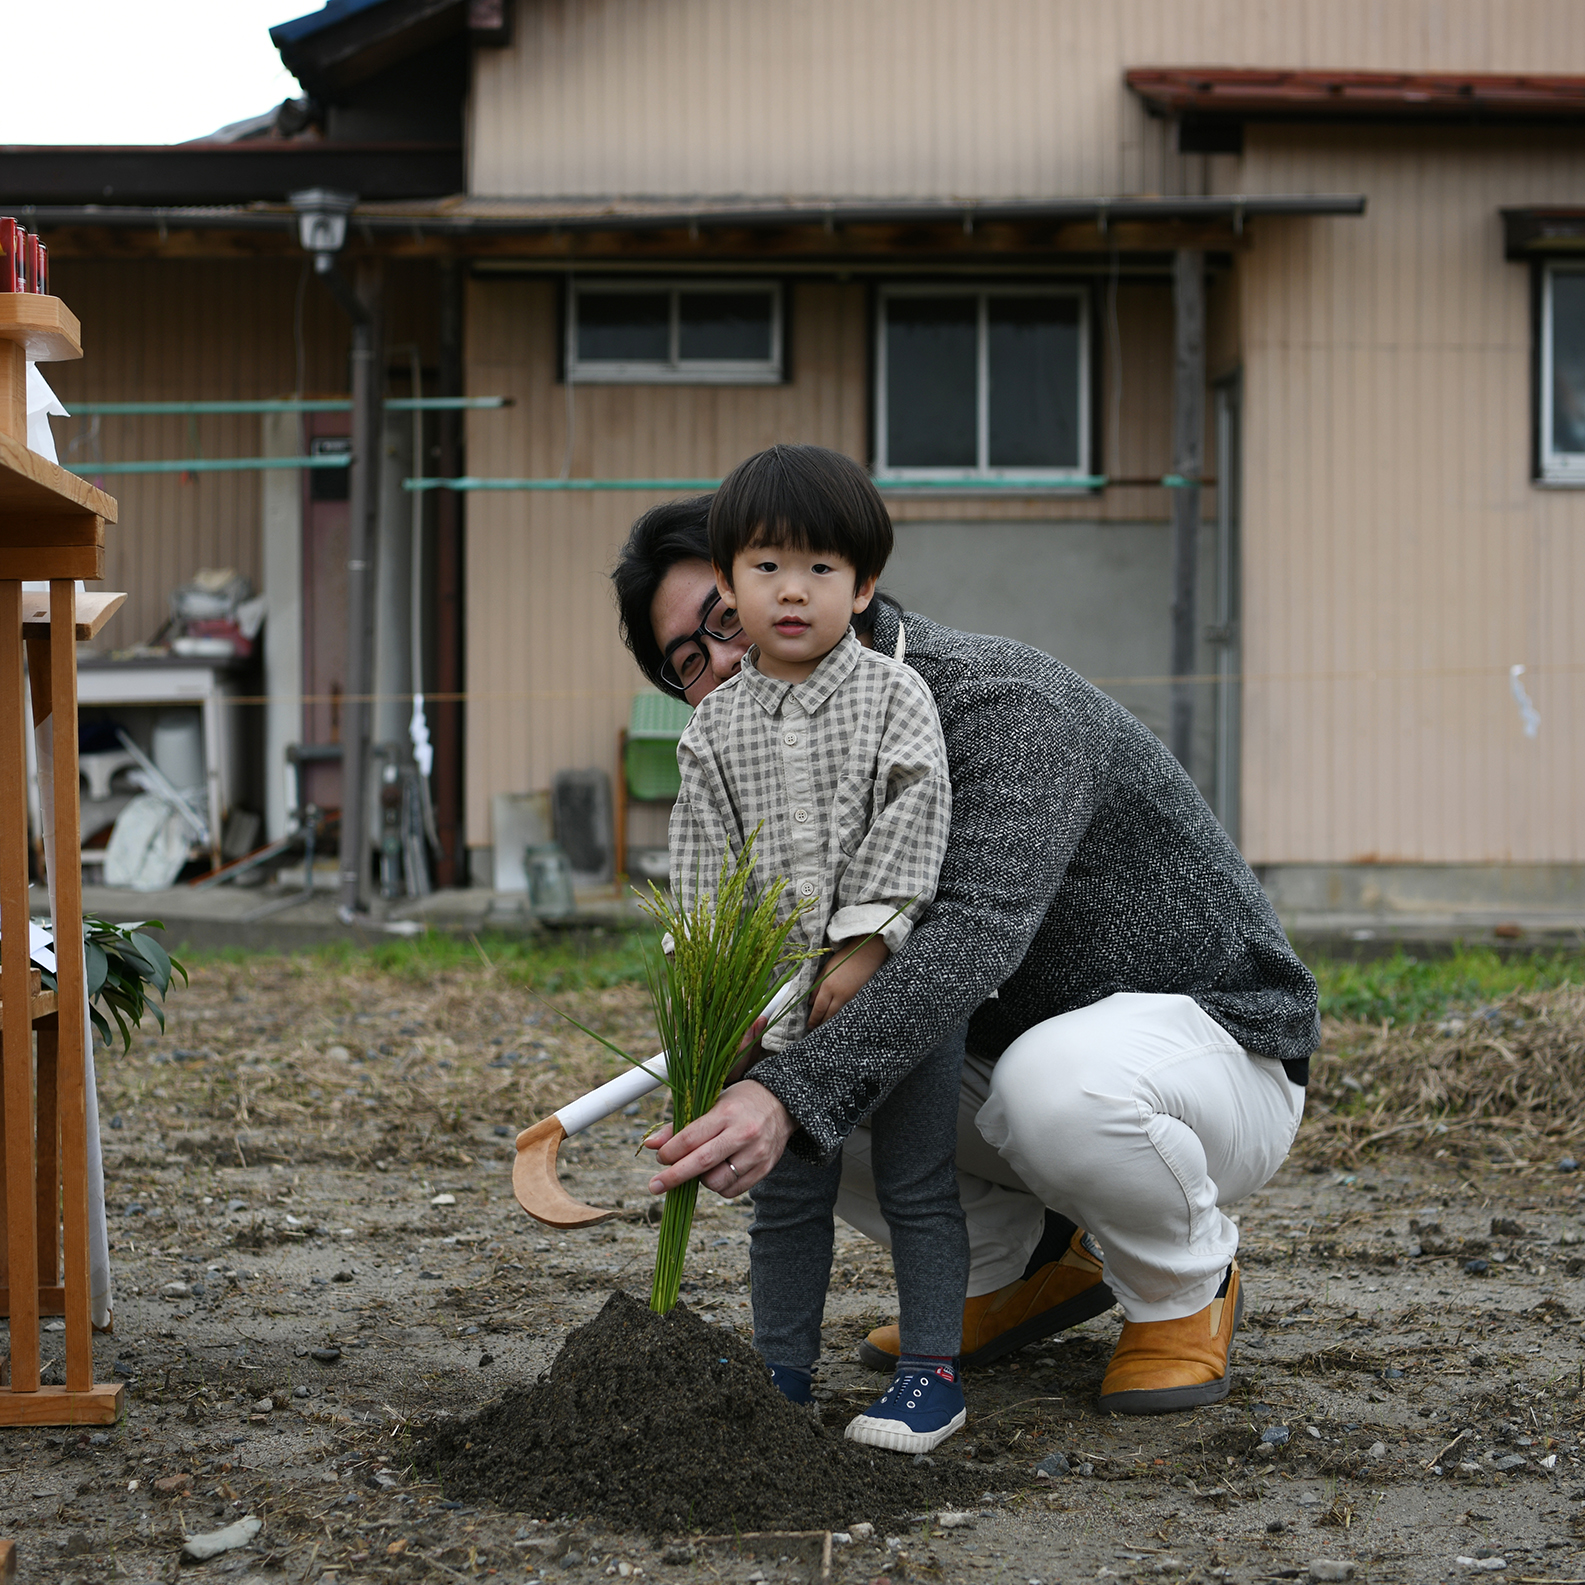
x=735 y=1172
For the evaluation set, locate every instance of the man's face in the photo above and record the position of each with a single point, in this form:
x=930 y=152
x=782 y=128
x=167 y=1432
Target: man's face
x=685 y=600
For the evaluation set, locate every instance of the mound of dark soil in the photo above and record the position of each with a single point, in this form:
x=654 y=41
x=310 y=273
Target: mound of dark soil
x=664 y=1423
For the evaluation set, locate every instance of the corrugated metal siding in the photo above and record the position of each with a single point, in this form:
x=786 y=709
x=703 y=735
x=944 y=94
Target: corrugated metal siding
x=171 y=330
x=190 y=330
x=922 y=97
x=1397 y=557
x=549 y=681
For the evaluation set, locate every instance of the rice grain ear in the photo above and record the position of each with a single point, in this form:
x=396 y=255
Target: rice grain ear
x=729 y=957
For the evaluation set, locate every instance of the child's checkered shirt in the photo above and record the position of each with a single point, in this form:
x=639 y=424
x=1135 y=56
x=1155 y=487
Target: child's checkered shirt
x=845 y=773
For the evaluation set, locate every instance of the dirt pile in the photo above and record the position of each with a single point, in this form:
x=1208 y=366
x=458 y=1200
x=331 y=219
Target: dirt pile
x=665 y=1423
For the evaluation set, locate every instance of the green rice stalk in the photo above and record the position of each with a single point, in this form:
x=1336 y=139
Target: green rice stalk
x=729 y=957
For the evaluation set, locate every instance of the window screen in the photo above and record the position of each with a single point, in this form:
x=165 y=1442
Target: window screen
x=932 y=353
x=1567 y=360
x=682 y=331
x=724 y=327
x=624 y=327
x=983 y=382
x=1034 y=382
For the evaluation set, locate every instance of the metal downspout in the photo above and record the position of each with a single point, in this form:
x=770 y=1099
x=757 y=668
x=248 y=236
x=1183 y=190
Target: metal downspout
x=1188 y=452
x=362 y=305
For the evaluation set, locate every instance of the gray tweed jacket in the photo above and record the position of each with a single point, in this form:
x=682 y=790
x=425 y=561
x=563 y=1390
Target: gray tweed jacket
x=1082 y=861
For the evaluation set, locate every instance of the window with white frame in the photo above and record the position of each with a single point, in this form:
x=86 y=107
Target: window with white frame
x=652 y=332
x=983 y=383
x=1563 y=373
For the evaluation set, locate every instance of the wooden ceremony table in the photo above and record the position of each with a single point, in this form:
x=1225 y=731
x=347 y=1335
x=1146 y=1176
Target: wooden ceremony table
x=52 y=529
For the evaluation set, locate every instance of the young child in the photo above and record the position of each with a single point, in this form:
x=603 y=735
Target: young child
x=835 y=754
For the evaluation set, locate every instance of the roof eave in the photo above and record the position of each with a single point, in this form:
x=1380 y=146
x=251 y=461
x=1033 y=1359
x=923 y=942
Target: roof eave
x=459 y=217
x=348 y=48
x=1240 y=94
x=192 y=174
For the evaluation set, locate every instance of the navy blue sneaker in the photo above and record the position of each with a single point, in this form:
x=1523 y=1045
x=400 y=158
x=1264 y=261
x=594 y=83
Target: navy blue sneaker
x=797 y=1386
x=919 y=1411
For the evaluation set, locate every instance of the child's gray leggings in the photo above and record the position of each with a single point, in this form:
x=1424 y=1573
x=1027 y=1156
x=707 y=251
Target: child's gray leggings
x=915 y=1133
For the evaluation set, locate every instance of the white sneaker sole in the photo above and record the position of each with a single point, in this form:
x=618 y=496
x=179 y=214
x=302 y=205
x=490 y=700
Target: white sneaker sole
x=896 y=1437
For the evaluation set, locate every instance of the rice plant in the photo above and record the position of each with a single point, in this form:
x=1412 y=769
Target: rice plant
x=728 y=958
x=717 y=967
x=714 y=971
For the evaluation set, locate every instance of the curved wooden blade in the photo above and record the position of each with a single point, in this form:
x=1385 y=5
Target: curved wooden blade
x=538 y=1188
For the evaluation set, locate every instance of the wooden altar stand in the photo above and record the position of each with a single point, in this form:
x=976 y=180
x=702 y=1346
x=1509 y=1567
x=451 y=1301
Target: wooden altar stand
x=52 y=527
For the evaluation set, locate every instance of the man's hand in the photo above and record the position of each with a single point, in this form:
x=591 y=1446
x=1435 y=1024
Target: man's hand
x=748 y=1126
x=844 y=976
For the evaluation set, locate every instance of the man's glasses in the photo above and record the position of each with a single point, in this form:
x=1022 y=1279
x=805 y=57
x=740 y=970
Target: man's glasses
x=686 y=658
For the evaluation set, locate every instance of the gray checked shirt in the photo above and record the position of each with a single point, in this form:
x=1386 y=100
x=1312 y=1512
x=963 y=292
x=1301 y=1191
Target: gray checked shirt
x=846 y=773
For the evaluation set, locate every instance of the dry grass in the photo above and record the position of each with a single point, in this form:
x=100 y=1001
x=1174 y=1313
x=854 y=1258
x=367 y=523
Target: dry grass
x=313 y=1059
x=1508 y=1080
x=351 y=1060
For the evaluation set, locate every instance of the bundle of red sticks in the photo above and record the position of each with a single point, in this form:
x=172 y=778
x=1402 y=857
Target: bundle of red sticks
x=24 y=260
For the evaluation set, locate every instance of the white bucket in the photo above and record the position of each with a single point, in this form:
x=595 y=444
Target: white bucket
x=179 y=749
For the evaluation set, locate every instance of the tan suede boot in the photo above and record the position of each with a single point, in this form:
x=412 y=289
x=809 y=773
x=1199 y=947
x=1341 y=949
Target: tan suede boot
x=1059 y=1295
x=1159 y=1366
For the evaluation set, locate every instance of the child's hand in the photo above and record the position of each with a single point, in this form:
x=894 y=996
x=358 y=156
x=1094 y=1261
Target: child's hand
x=847 y=969
x=750 y=1051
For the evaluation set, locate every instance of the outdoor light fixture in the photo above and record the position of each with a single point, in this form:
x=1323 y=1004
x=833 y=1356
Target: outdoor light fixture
x=322 y=223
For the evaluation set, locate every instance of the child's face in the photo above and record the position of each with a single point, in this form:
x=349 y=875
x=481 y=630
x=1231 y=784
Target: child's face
x=794 y=604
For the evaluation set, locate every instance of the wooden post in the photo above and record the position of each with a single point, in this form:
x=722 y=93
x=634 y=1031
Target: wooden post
x=71 y=987
x=1188 y=447
x=368 y=388
x=620 y=865
x=16 y=1023
x=449 y=673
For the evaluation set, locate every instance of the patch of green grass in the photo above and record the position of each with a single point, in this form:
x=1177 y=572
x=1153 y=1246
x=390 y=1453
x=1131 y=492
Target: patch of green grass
x=578 y=960
x=1412 y=990
x=1405 y=988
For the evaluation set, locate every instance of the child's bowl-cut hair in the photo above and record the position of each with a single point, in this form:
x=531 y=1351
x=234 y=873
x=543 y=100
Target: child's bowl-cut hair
x=802 y=498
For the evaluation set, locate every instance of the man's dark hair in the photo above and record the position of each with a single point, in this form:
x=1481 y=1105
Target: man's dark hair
x=805 y=498
x=666 y=534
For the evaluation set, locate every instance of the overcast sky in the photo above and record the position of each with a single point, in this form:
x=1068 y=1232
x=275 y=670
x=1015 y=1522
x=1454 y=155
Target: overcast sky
x=158 y=72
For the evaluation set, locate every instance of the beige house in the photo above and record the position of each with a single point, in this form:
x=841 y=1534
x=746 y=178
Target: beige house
x=968 y=243
x=1391 y=420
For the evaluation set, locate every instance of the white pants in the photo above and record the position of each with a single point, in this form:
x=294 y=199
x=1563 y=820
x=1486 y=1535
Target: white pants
x=1139 y=1117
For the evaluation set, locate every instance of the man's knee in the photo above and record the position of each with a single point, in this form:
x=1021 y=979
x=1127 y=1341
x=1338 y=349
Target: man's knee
x=1040 y=1114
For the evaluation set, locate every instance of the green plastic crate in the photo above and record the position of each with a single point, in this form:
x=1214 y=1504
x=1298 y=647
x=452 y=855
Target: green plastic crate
x=650 y=762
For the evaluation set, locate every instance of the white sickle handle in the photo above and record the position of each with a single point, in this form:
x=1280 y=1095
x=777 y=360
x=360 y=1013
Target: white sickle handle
x=588 y=1109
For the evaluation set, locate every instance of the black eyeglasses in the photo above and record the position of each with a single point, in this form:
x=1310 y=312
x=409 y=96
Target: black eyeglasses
x=685 y=659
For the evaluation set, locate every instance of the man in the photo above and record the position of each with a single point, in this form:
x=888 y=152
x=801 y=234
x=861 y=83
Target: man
x=1138 y=1027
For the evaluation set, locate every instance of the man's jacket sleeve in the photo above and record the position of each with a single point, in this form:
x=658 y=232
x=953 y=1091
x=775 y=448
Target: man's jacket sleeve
x=1023 y=792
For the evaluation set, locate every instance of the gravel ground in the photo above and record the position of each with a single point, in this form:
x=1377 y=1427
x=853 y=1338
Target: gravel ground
x=317 y=1254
